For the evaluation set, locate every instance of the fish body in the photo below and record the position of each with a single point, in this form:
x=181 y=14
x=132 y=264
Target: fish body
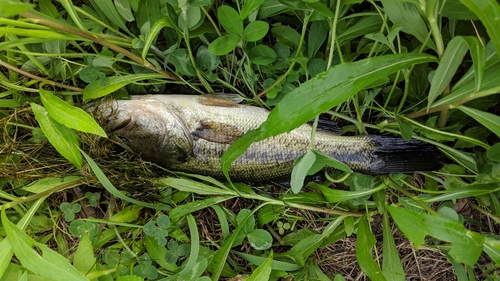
x=190 y=133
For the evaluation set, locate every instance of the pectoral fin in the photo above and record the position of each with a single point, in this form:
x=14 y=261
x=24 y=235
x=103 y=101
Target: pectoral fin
x=217 y=132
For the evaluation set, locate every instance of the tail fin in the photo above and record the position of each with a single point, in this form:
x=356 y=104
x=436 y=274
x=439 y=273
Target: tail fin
x=396 y=155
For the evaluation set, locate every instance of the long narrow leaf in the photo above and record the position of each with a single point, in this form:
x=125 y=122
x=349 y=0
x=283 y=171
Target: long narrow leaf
x=319 y=94
x=490 y=121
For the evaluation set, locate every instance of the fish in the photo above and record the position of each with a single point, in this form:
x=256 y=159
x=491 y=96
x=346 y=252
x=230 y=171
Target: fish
x=190 y=133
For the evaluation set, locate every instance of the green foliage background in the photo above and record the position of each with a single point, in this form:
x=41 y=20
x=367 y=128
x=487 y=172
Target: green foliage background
x=424 y=69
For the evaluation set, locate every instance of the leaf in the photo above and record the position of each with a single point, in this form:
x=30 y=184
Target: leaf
x=364 y=243
x=321 y=8
x=262 y=55
x=45 y=184
x=153 y=33
x=319 y=94
x=286 y=36
x=190 y=207
x=194 y=186
x=407 y=15
x=260 y=239
x=255 y=31
x=224 y=44
x=96 y=89
x=61 y=137
x=84 y=259
x=471 y=190
x=148 y=11
x=276 y=265
x=263 y=272
x=244 y=216
x=49 y=263
x=108 y=9
x=466 y=246
x=405 y=128
x=157 y=253
x=448 y=65
x=453 y=9
x=230 y=20
x=493 y=152
x=183 y=65
x=205 y=60
x=249 y=7
x=300 y=169
x=70 y=116
x=391 y=263
x=11 y=8
x=478 y=54
x=490 y=121
x=316 y=38
x=128 y=214
x=488 y=11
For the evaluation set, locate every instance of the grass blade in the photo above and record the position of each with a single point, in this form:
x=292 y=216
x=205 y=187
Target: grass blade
x=490 y=121
x=364 y=244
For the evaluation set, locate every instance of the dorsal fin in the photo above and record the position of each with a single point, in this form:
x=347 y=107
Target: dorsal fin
x=221 y=99
x=217 y=132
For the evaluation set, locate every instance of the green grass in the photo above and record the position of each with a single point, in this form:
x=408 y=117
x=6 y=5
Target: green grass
x=75 y=206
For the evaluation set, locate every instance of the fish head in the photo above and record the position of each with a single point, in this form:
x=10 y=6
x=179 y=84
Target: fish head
x=151 y=128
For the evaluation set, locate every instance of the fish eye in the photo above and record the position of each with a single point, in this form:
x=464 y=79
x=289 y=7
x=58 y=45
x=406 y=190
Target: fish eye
x=125 y=141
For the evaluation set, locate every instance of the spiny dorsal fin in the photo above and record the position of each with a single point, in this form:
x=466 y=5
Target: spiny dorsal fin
x=217 y=132
x=221 y=99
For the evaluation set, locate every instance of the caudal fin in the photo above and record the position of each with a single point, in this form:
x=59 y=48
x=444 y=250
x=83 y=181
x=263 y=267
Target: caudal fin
x=396 y=155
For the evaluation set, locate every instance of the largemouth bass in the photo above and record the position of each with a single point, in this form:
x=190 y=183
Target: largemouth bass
x=190 y=133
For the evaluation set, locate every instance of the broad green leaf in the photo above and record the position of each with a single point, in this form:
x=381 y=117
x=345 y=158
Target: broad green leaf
x=249 y=7
x=255 y=31
x=260 y=239
x=488 y=11
x=70 y=116
x=303 y=249
x=300 y=169
x=128 y=214
x=182 y=62
x=230 y=20
x=84 y=259
x=466 y=246
x=115 y=192
x=286 y=36
x=193 y=18
x=263 y=272
x=248 y=220
x=490 y=121
x=6 y=251
x=194 y=186
x=108 y=9
x=471 y=190
x=391 y=263
x=61 y=137
x=262 y=55
x=448 y=65
x=493 y=152
x=224 y=44
x=316 y=38
x=319 y=94
x=153 y=33
x=405 y=128
x=492 y=248
x=364 y=244
x=205 y=60
x=182 y=210
x=157 y=253
x=96 y=89
x=124 y=9
x=321 y=8
x=11 y=8
x=148 y=11
x=42 y=261
x=453 y=9
x=276 y=265
x=45 y=184
x=406 y=14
